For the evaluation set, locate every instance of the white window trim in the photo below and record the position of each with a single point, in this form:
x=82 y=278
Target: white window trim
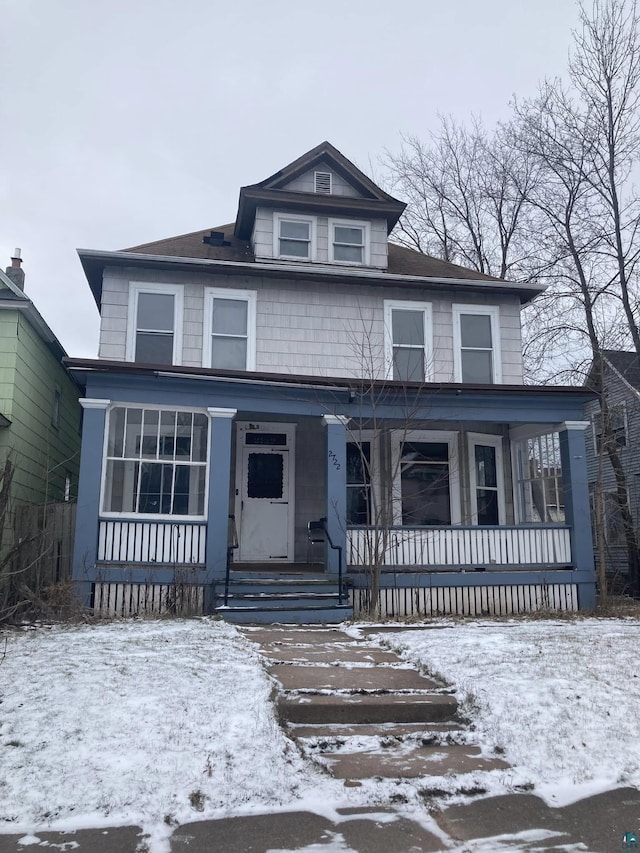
x=138 y=287
x=492 y=311
x=250 y=297
x=478 y=438
x=398 y=437
x=393 y=304
x=146 y=517
x=295 y=217
x=366 y=236
x=373 y=437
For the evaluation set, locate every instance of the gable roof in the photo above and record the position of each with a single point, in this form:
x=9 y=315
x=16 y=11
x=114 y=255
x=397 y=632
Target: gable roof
x=372 y=201
x=12 y=297
x=627 y=364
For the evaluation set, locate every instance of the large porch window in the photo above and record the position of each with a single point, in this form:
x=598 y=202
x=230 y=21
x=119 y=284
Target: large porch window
x=426 y=481
x=156 y=463
x=538 y=475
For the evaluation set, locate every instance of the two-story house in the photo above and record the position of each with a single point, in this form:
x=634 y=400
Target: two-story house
x=295 y=366
x=39 y=443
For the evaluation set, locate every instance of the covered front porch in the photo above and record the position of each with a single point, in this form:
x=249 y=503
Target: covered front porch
x=436 y=499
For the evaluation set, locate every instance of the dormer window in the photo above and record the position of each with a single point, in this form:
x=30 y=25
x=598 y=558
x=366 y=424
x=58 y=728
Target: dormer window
x=322 y=182
x=348 y=242
x=294 y=237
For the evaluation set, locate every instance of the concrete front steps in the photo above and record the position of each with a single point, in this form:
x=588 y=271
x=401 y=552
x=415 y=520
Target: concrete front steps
x=361 y=713
x=290 y=597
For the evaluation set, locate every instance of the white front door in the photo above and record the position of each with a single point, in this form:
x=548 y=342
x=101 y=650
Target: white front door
x=264 y=492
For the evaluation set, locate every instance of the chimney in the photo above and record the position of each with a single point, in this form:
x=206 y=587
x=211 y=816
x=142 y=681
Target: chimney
x=15 y=271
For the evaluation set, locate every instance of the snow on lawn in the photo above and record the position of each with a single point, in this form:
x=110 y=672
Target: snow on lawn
x=145 y=723
x=562 y=699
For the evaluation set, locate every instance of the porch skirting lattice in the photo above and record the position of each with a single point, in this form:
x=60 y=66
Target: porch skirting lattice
x=148 y=599
x=486 y=600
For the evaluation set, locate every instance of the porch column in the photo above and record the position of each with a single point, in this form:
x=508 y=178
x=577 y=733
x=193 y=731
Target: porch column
x=220 y=435
x=88 y=506
x=575 y=487
x=336 y=510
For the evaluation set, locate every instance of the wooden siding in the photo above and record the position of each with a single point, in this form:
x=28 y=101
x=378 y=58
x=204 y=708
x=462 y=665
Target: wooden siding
x=42 y=453
x=262 y=238
x=334 y=330
x=306 y=183
x=618 y=392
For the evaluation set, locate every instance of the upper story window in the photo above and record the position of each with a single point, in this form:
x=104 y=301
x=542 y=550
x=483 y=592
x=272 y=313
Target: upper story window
x=348 y=242
x=408 y=340
x=155 y=323
x=294 y=237
x=476 y=349
x=616 y=434
x=229 y=329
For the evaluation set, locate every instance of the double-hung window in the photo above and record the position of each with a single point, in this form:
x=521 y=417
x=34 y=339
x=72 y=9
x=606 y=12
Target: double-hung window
x=426 y=487
x=229 y=329
x=155 y=332
x=408 y=340
x=348 y=242
x=294 y=237
x=156 y=462
x=476 y=344
x=615 y=433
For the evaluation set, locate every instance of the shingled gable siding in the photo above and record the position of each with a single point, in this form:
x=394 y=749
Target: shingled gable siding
x=305 y=184
x=308 y=331
x=262 y=238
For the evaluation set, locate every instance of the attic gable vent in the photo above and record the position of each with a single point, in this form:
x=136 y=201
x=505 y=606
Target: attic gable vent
x=322 y=182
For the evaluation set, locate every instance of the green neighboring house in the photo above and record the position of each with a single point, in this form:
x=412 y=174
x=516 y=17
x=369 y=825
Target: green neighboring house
x=40 y=417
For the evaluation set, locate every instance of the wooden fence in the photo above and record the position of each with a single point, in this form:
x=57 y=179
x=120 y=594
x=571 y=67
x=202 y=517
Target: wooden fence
x=44 y=543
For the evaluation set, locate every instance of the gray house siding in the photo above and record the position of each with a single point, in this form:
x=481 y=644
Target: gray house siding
x=334 y=331
x=618 y=392
x=262 y=238
x=306 y=184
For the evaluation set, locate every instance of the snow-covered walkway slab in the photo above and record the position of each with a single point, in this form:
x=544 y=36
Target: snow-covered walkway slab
x=559 y=700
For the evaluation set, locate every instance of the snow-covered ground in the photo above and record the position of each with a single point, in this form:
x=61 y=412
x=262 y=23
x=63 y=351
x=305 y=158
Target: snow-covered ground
x=154 y=723
x=560 y=701
x=148 y=723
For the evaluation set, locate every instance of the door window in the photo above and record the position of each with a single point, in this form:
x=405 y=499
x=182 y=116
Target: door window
x=265 y=475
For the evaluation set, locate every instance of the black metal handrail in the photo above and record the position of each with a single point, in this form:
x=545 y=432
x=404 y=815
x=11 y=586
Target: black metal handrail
x=232 y=539
x=314 y=529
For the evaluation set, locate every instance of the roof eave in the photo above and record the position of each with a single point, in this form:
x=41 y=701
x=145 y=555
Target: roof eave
x=85 y=365
x=252 y=196
x=94 y=262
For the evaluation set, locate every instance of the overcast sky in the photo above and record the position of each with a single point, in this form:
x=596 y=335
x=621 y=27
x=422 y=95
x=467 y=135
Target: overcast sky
x=126 y=122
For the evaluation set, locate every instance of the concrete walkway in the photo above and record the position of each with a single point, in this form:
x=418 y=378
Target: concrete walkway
x=361 y=712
